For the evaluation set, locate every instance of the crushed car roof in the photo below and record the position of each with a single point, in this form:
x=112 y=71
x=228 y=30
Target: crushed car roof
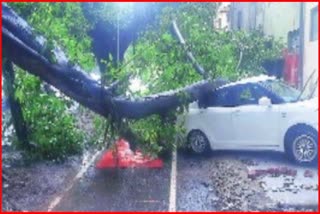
x=254 y=79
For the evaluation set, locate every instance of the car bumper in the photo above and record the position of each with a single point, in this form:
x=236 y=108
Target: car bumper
x=315 y=126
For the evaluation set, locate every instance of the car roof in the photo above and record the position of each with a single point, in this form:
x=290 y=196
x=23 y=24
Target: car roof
x=255 y=79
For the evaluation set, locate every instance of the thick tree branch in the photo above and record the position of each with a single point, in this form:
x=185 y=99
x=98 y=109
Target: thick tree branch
x=23 y=50
x=190 y=56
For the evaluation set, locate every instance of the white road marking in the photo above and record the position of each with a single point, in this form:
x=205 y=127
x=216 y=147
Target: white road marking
x=173 y=183
x=81 y=172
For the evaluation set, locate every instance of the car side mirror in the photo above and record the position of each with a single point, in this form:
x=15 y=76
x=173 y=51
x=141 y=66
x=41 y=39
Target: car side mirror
x=265 y=101
x=194 y=105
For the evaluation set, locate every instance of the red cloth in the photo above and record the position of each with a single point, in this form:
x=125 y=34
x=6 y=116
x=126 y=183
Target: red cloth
x=124 y=157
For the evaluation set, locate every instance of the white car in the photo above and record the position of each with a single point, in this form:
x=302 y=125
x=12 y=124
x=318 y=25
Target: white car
x=259 y=113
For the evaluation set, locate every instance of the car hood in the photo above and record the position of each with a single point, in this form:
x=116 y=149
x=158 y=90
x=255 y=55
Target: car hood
x=310 y=103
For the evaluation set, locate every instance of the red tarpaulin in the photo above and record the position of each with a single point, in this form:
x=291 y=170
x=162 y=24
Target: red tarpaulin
x=123 y=157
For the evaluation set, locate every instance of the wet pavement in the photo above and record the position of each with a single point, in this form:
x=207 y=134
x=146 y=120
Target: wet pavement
x=219 y=181
x=31 y=187
x=297 y=188
x=119 y=190
x=193 y=184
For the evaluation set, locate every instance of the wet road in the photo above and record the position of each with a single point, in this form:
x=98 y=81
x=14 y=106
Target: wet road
x=193 y=184
x=196 y=184
x=119 y=190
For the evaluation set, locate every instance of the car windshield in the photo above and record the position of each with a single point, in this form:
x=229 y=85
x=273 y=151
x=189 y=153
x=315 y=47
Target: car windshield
x=286 y=92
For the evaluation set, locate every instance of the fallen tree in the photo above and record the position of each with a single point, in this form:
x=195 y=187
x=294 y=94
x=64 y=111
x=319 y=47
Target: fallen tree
x=159 y=59
x=26 y=50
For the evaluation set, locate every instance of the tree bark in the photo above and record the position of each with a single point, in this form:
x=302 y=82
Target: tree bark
x=22 y=48
x=15 y=107
x=190 y=56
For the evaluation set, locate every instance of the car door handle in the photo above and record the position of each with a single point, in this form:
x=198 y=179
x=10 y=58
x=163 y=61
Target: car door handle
x=236 y=112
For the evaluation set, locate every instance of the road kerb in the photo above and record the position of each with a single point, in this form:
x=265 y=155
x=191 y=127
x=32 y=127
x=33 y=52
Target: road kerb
x=173 y=183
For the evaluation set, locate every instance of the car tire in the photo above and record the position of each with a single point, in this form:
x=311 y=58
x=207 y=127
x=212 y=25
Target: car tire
x=198 y=142
x=301 y=144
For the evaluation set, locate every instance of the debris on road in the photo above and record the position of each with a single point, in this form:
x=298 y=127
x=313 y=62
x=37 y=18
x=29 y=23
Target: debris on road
x=273 y=171
x=237 y=181
x=288 y=185
x=308 y=174
x=235 y=190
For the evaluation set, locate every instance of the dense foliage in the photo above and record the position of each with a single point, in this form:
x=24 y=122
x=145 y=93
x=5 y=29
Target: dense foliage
x=51 y=127
x=161 y=62
x=156 y=60
x=63 y=24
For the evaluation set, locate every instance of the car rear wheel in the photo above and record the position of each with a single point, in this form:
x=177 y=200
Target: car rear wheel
x=302 y=144
x=198 y=143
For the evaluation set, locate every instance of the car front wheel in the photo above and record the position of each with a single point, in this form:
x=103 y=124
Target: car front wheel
x=198 y=143
x=302 y=145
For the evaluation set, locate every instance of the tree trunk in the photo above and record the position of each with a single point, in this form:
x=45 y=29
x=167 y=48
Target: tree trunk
x=15 y=107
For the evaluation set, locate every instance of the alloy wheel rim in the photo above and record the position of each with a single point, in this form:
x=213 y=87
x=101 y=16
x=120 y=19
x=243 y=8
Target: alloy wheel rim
x=304 y=148
x=198 y=143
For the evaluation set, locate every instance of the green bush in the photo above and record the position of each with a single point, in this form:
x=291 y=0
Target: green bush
x=51 y=128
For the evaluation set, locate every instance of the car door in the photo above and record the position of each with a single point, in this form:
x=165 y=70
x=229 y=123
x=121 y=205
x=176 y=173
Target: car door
x=218 y=117
x=255 y=126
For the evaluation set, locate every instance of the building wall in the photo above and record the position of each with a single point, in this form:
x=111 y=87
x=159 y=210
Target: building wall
x=280 y=18
x=240 y=22
x=221 y=22
x=275 y=19
x=311 y=53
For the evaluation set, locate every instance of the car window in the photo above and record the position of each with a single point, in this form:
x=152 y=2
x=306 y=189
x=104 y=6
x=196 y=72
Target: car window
x=280 y=89
x=245 y=96
x=222 y=98
x=239 y=95
x=260 y=91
